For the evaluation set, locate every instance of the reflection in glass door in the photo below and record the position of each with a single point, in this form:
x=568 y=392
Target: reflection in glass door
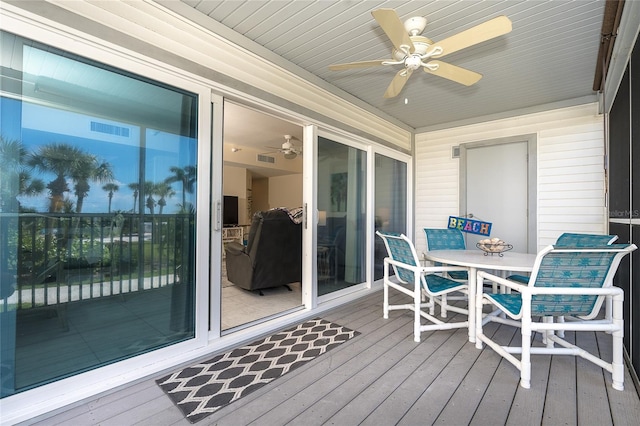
x=391 y=204
x=342 y=196
x=98 y=246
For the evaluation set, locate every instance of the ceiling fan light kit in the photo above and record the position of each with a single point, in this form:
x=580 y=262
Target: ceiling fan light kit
x=414 y=51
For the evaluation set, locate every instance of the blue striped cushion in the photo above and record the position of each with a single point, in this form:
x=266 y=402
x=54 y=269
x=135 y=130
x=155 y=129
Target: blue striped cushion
x=444 y=239
x=582 y=240
x=511 y=303
x=585 y=270
x=572 y=240
x=447 y=239
x=522 y=279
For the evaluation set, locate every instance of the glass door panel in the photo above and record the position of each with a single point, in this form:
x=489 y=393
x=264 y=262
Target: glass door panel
x=390 y=204
x=342 y=197
x=98 y=247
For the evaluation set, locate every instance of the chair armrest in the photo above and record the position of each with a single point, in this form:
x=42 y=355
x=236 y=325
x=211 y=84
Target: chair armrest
x=482 y=275
x=580 y=291
x=234 y=248
x=444 y=268
x=425 y=269
x=523 y=288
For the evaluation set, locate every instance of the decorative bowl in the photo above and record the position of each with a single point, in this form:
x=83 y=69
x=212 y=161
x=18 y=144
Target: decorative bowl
x=493 y=246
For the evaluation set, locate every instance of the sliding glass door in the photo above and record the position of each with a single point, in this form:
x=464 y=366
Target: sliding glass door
x=342 y=199
x=98 y=209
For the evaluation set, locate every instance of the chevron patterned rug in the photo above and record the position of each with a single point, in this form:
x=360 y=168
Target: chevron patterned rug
x=202 y=389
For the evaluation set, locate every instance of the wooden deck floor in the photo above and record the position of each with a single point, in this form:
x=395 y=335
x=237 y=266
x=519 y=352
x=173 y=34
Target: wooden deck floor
x=382 y=377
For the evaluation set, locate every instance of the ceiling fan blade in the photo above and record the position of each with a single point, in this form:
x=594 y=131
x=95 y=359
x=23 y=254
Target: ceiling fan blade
x=492 y=28
x=454 y=73
x=361 y=64
x=398 y=83
x=394 y=29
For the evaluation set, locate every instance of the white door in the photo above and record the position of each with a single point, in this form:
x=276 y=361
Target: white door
x=496 y=188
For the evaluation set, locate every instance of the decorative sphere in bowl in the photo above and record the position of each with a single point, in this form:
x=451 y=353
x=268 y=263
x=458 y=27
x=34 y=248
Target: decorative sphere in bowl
x=493 y=245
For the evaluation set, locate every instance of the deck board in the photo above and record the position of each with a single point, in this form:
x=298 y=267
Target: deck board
x=404 y=359
x=592 y=400
x=438 y=394
x=382 y=377
x=474 y=385
x=528 y=403
x=496 y=402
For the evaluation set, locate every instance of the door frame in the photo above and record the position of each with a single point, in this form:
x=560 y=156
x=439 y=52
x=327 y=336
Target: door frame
x=532 y=180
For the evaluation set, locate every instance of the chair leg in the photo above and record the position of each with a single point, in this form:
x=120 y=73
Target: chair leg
x=417 y=301
x=560 y=332
x=443 y=306
x=546 y=334
x=478 y=315
x=617 y=363
x=385 y=303
x=608 y=309
x=525 y=360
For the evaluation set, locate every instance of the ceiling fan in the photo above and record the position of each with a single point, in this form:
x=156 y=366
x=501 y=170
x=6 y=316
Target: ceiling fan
x=288 y=149
x=414 y=51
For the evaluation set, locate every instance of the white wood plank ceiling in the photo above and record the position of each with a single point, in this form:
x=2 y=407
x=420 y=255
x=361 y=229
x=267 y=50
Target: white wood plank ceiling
x=549 y=57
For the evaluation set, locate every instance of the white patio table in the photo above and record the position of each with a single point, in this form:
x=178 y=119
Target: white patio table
x=476 y=259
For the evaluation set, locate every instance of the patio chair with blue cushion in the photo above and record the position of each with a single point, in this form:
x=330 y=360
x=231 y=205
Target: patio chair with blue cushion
x=571 y=282
x=419 y=282
x=447 y=239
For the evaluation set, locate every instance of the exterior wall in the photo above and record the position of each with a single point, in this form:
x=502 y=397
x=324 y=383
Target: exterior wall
x=570 y=171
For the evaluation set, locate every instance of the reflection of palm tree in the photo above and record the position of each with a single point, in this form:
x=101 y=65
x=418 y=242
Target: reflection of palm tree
x=64 y=161
x=55 y=158
x=148 y=189
x=12 y=155
x=164 y=191
x=135 y=187
x=67 y=205
x=85 y=168
x=111 y=188
x=187 y=176
x=15 y=180
x=28 y=186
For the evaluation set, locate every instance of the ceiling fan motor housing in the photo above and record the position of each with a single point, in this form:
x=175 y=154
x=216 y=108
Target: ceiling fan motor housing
x=413 y=62
x=421 y=45
x=415 y=25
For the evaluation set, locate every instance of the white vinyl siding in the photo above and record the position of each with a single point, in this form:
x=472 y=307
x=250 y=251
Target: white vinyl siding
x=570 y=171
